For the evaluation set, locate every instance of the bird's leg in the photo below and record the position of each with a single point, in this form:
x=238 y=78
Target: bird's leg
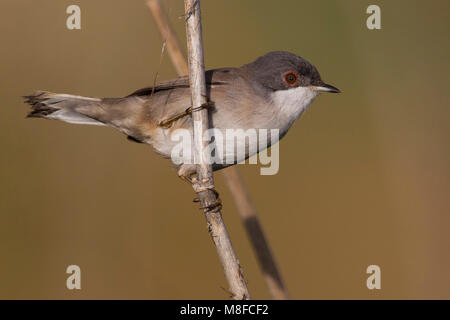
x=187 y=172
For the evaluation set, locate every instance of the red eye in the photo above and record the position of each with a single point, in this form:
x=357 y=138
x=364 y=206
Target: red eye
x=291 y=78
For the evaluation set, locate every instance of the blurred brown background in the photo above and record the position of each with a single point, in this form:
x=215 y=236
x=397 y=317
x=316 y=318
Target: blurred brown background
x=364 y=176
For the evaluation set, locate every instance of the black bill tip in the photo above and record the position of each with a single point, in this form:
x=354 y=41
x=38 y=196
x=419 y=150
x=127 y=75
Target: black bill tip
x=328 y=88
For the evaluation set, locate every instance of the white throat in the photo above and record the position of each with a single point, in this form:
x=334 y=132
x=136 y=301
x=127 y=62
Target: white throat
x=291 y=103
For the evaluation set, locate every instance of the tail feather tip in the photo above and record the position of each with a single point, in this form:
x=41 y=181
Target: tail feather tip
x=39 y=107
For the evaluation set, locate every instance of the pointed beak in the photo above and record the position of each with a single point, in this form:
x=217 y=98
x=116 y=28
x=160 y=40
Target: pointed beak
x=327 y=88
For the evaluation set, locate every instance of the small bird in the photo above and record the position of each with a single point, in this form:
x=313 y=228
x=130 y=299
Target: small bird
x=268 y=93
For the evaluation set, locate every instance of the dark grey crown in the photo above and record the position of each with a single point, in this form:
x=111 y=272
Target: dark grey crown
x=270 y=69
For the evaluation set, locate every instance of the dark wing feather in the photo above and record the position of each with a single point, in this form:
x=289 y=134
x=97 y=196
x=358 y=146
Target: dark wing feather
x=213 y=77
x=182 y=82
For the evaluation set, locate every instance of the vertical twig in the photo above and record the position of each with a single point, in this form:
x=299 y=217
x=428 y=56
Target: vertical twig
x=255 y=232
x=231 y=175
x=204 y=183
x=168 y=35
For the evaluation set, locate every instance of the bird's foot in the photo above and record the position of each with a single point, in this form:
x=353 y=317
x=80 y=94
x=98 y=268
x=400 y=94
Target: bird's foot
x=187 y=173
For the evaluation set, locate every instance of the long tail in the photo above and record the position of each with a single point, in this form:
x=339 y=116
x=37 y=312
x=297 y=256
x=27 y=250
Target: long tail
x=65 y=107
